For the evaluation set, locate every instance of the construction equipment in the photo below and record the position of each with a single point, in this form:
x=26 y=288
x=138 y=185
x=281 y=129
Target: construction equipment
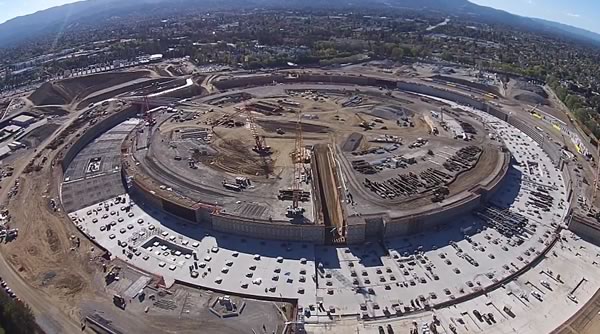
x=260 y=145
x=363 y=123
x=112 y=274
x=299 y=157
x=227 y=119
x=148 y=119
x=119 y=301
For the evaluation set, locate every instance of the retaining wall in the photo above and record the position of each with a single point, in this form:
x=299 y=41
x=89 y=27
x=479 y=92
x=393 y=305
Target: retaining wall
x=94 y=132
x=274 y=230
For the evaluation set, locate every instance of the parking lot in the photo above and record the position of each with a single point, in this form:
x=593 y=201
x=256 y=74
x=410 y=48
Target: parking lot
x=161 y=244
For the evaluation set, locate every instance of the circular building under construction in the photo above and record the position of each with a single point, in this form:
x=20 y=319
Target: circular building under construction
x=325 y=163
x=348 y=195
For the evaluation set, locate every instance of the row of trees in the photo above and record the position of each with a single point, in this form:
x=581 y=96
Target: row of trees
x=16 y=317
x=585 y=114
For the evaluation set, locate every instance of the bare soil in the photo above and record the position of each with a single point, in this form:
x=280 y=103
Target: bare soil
x=69 y=90
x=289 y=126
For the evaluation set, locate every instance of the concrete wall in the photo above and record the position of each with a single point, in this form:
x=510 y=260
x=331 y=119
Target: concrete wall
x=585 y=227
x=94 y=132
x=427 y=221
x=269 y=230
x=141 y=195
x=248 y=81
x=207 y=215
x=355 y=230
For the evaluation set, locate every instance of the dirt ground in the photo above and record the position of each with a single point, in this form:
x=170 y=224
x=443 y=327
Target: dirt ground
x=67 y=91
x=586 y=321
x=51 y=269
x=37 y=136
x=236 y=156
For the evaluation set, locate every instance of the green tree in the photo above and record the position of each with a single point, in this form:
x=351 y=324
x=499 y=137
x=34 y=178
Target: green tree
x=16 y=317
x=397 y=53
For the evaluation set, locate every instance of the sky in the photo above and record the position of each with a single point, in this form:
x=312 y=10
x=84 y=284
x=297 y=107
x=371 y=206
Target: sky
x=578 y=13
x=13 y=8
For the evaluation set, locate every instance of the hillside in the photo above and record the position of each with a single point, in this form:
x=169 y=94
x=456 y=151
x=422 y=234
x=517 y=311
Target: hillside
x=65 y=18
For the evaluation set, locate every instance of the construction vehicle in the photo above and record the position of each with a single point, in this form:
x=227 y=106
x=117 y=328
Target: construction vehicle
x=440 y=194
x=119 y=301
x=112 y=274
x=260 y=145
x=231 y=186
x=363 y=123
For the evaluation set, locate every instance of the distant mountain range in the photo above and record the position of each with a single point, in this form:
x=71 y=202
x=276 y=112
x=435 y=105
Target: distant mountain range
x=54 y=20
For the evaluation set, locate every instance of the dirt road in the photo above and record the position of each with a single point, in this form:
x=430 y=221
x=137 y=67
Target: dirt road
x=38 y=265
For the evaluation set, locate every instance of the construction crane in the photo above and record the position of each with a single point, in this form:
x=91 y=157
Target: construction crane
x=298 y=164
x=260 y=144
x=299 y=158
x=148 y=120
x=363 y=123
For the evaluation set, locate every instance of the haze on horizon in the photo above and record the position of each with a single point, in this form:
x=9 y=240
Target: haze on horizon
x=578 y=13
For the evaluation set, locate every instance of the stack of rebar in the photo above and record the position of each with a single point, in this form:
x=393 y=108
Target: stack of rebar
x=507 y=222
x=541 y=199
x=288 y=195
x=463 y=159
x=363 y=167
x=434 y=178
x=402 y=185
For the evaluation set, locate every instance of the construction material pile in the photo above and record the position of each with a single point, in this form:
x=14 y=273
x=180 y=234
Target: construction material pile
x=463 y=160
x=409 y=184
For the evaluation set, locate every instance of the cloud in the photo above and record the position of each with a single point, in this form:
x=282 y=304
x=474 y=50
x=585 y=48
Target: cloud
x=573 y=15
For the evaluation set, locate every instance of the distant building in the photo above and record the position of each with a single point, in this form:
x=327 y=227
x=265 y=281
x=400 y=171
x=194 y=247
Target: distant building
x=4 y=152
x=155 y=58
x=12 y=128
x=23 y=120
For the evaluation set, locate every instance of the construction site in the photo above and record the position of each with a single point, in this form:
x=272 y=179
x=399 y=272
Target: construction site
x=307 y=160
x=298 y=201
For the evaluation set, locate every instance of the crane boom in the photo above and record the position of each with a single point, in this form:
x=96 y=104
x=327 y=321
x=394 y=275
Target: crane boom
x=299 y=159
x=260 y=144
